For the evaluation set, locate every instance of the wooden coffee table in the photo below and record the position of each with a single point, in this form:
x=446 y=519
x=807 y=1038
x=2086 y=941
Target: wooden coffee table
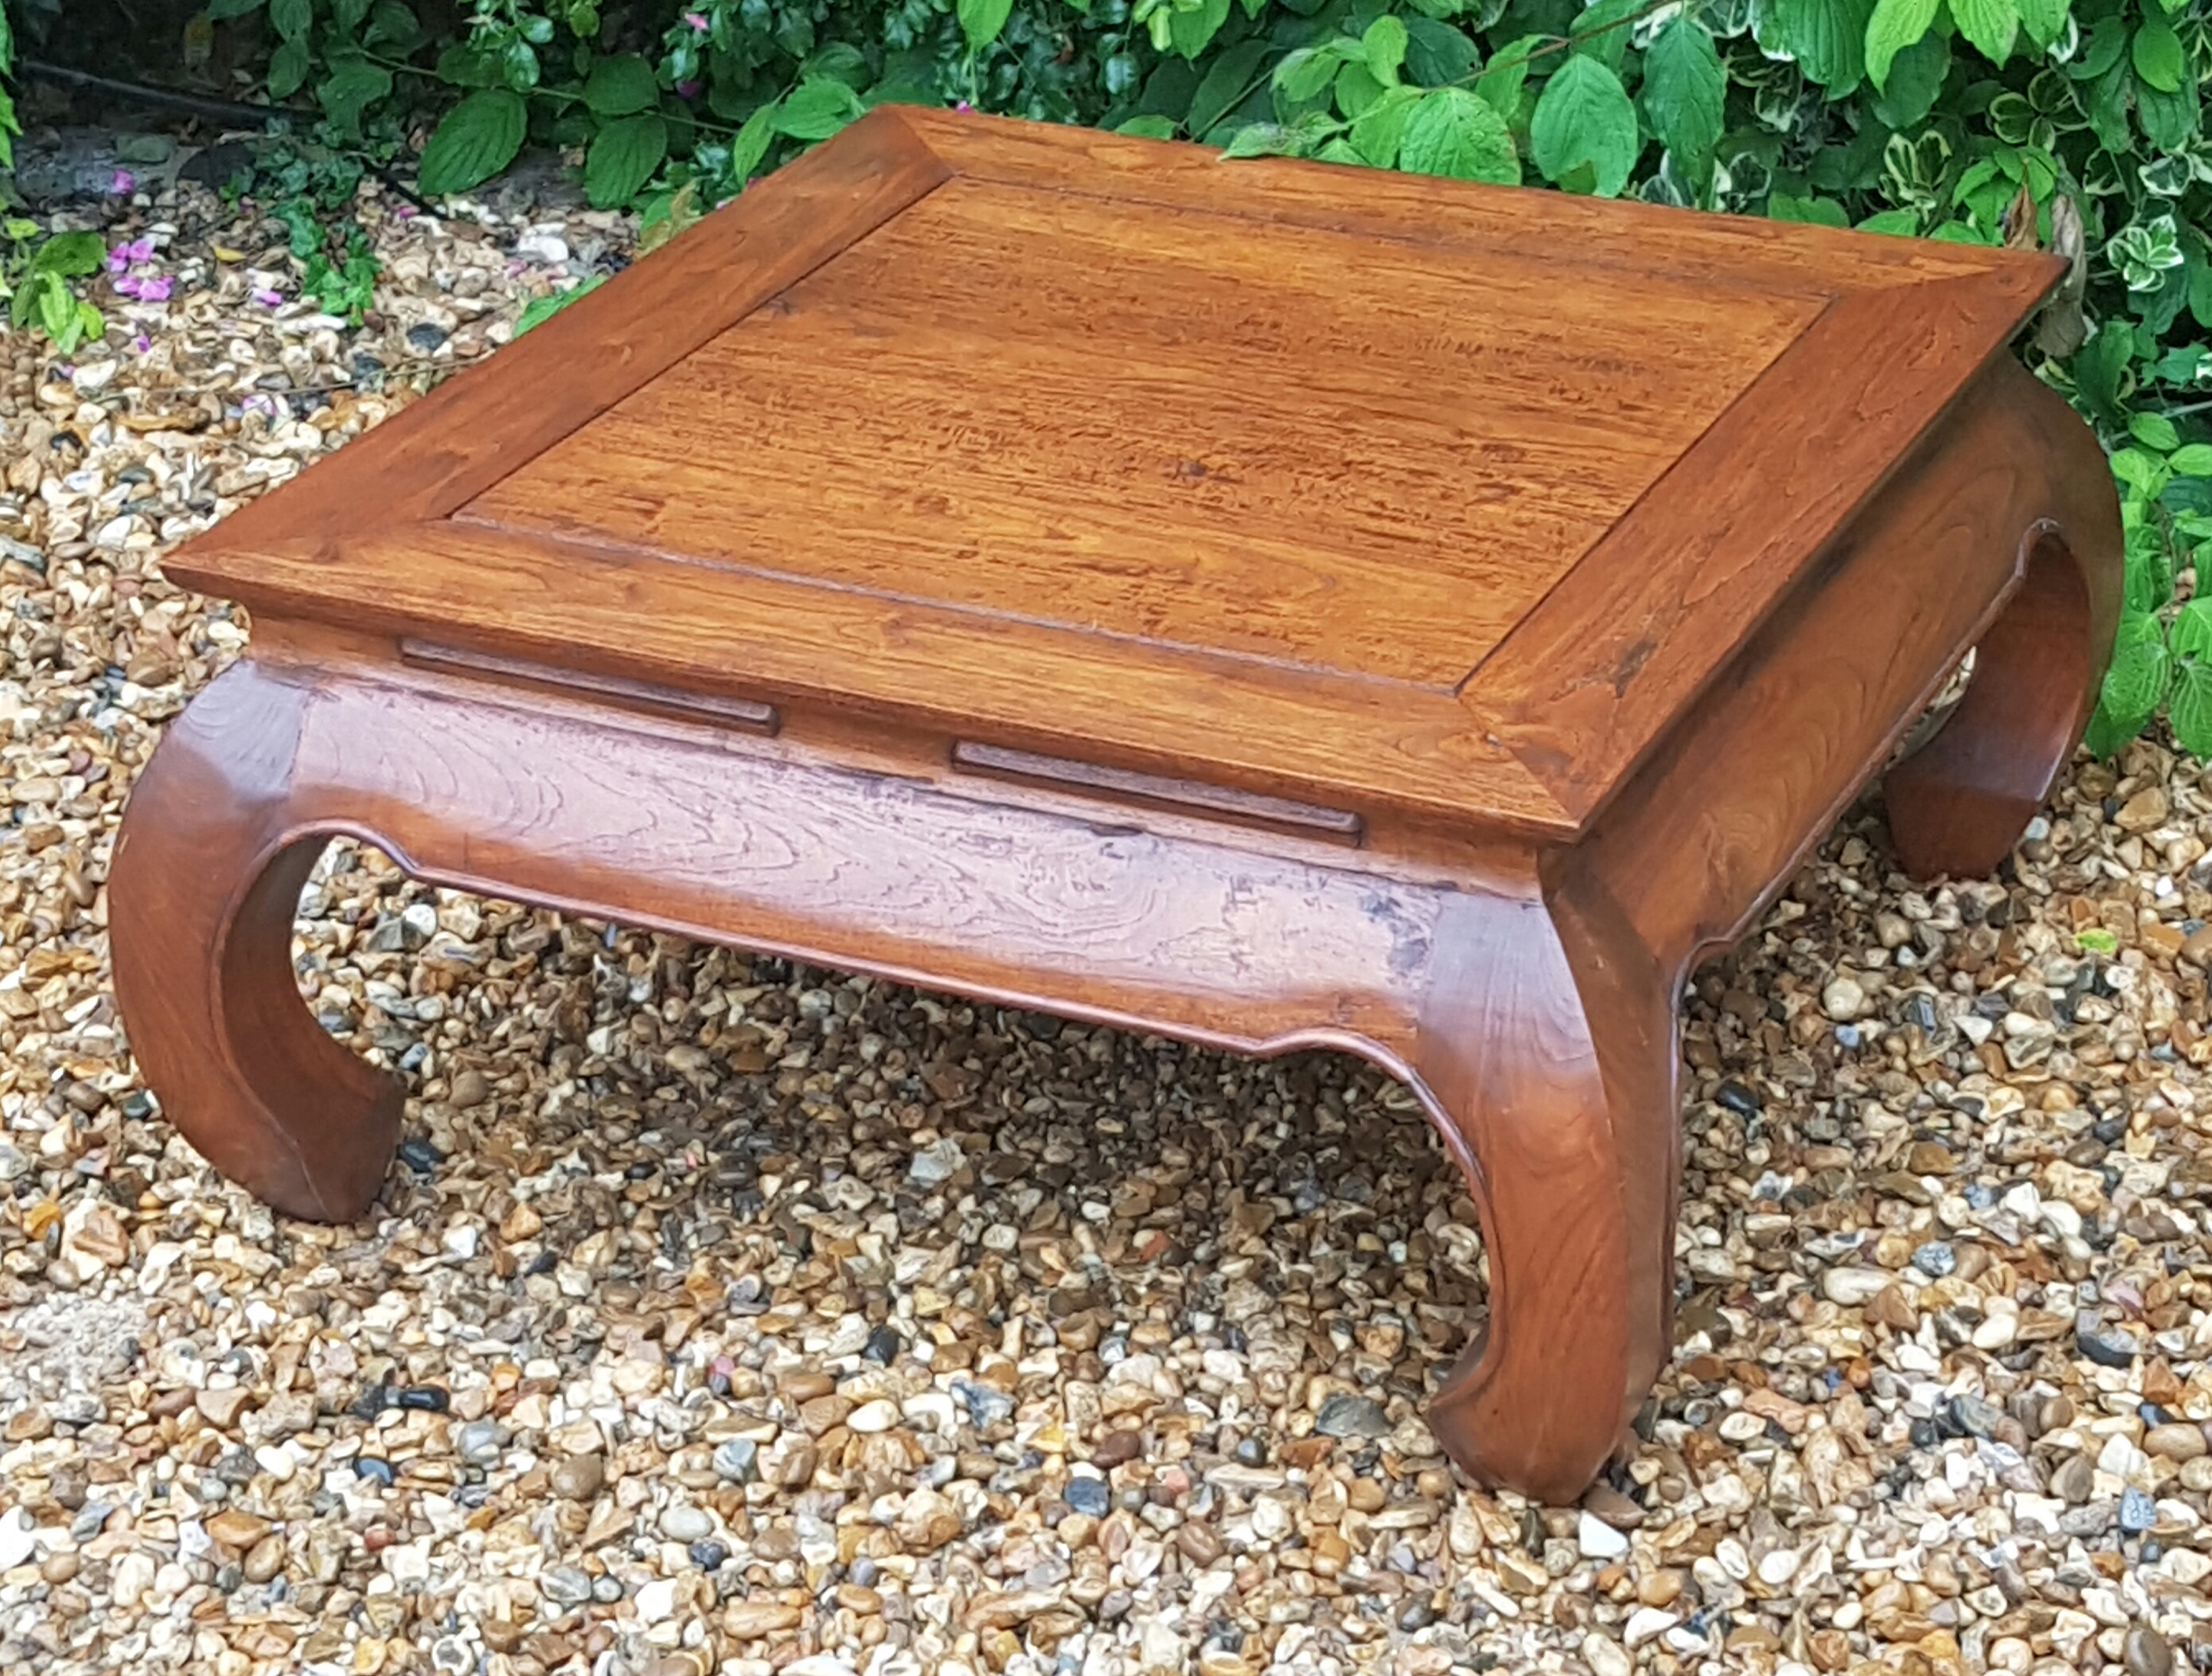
x=1273 y=605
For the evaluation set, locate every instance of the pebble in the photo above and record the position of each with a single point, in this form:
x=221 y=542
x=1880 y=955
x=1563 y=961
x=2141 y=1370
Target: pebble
x=682 y=1523
x=1088 y=1495
x=2144 y=1652
x=1346 y=1415
x=1597 y=1539
x=579 y=1477
x=738 y=1459
x=2137 y=1512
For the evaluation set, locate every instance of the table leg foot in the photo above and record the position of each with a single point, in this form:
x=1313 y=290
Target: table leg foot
x=1547 y=1053
x=203 y=891
x=1958 y=805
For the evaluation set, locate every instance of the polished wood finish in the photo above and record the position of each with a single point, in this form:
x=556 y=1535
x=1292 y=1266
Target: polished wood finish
x=1267 y=604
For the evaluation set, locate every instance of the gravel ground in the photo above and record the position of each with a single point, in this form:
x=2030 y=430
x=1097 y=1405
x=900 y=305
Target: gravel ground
x=725 y=1315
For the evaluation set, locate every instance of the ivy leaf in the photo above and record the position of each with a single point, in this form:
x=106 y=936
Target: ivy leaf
x=291 y=19
x=2158 y=55
x=1895 y=26
x=1384 y=48
x=2044 y=20
x=1452 y=132
x=353 y=85
x=478 y=138
x=621 y=84
x=622 y=156
x=1991 y=25
x=1685 y=90
x=981 y=20
x=816 y=110
x=1583 y=118
x=2190 y=637
x=2189 y=706
x=1827 y=38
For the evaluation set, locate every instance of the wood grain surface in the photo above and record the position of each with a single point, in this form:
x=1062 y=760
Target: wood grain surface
x=1048 y=566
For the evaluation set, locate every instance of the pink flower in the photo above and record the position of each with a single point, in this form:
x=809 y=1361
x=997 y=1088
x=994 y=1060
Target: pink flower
x=407 y=212
x=697 y=19
x=688 y=89
x=963 y=105
x=120 y=258
x=127 y=285
x=122 y=182
x=142 y=342
x=153 y=291
x=267 y=297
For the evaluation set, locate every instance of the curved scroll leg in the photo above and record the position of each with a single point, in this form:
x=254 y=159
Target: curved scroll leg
x=1957 y=804
x=202 y=893
x=1547 y=1050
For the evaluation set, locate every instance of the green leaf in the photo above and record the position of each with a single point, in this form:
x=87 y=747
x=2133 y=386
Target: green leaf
x=538 y=310
x=1895 y=26
x=1436 y=54
x=2193 y=459
x=1148 y=127
x=2155 y=431
x=478 y=138
x=1827 y=38
x=70 y=253
x=752 y=143
x=1685 y=90
x=288 y=68
x=1227 y=79
x=1377 y=131
x=1583 y=118
x=1306 y=73
x=1915 y=81
x=1190 y=32
x=1452 y=132
x=2136 y=680
x=1602 y=30
x=816 y=110
x=392 y=27
x=1507 y=73
x=2096 y=940
x=2189 y=706
x=2044 y=20
x=2191 y=634
x=1818 y=211
x=981 y=20
x=2158 y=55
x=622 y=156
x=291 y=19
x=1384 y=48
x=621 y=84
x=1898 y=223
x=219 y=11
x=1991 y=25
x=353 y=85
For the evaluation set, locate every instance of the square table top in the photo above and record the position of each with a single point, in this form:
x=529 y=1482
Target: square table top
x=1298 y=478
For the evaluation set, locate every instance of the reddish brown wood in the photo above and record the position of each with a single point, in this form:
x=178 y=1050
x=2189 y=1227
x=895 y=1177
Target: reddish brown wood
x=1303 y=608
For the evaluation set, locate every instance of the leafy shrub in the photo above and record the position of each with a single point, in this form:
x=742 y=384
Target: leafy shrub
x=2075 y=123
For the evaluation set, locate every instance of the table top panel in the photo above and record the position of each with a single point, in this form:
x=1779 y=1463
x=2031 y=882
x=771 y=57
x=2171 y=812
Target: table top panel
x=1357 y=488
x=1140 y=421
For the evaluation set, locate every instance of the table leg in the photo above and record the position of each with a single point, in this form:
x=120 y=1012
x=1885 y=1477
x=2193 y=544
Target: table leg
x=202 y=893
x=1547 y=1050
x=1958 y=805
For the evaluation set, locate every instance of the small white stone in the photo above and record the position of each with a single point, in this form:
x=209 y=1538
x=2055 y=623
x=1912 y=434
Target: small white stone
x=656 y=1601
x=1598 y=1539
x=1842 y=1000
x=461 y=1241
x=18 y=1537
x=1778 y=1567
x=1647 y=1623
x=879 y=1415
x=1852 y=1287
x=1605 y=1657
